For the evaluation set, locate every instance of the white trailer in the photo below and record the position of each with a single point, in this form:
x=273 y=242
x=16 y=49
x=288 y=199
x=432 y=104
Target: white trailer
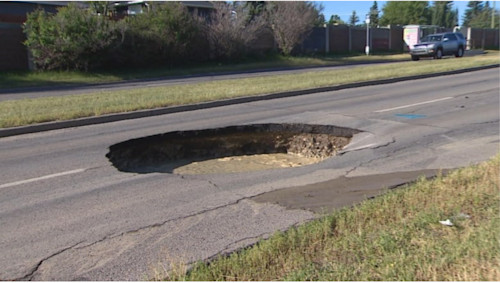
x=413 y=33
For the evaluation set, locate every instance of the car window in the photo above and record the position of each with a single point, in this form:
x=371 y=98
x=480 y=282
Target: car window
x=432 y=38
x=450 y=37
x=459 y=35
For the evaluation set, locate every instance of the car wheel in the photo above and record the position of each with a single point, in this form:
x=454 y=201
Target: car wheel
x=460 y=52
x=439 y=54
x=415 y=58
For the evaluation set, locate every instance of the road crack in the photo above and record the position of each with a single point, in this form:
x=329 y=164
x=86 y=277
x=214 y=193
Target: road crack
x=360 y=164
x=155 y=225
x=228 y=250
x=29 y=276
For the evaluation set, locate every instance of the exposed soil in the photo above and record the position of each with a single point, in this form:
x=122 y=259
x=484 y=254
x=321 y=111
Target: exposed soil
x=246 y=163
x=166 y=152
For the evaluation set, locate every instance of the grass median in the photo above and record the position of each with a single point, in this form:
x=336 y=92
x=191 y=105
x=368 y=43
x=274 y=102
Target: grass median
x=51 y=78
x=31 y=111
x=395 y=237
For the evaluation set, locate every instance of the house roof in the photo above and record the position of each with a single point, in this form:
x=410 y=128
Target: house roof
x=198 y=4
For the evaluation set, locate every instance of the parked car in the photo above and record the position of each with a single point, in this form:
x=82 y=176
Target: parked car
x=438 y=45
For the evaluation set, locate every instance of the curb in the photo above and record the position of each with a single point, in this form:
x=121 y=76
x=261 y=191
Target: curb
x=42 y=127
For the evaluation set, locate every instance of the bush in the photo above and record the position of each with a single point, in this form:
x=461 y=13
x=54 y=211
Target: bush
x=80 y=39
x=163 y=35
x=71 y=39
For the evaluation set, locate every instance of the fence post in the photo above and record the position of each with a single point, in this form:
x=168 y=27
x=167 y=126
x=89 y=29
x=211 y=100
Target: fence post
x=483 y=38
x=390 y=39
x=327 y=39
x=350 y=39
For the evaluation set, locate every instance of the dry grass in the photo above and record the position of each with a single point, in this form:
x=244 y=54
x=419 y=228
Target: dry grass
x=29 y=111
x=396 y=237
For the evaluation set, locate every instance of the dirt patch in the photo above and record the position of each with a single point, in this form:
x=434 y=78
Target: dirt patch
x=166 y=152
x=246 y=163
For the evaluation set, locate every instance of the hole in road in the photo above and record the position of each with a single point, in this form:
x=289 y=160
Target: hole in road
x=231 y=149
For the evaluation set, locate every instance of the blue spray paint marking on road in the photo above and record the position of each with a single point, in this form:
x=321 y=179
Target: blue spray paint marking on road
x=410 y=116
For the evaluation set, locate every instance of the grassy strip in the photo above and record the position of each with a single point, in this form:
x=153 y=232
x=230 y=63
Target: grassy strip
x=395 y=237
x=48 y=78
x=30 y=111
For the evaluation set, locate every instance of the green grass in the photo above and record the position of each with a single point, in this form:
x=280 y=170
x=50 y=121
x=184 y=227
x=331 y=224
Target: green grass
x=51 y=78
x=30 y=111
x=395 y=237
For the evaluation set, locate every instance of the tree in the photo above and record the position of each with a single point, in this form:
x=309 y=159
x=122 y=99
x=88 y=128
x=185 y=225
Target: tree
x=442 y=14
x=255 y=9
x=474 y=8
x=479 y=15
x=335 y=20
x=405 y=13
x=231 y=29
x=320 y=21
x=374 y=15
x=353 y=19
x=291 y=22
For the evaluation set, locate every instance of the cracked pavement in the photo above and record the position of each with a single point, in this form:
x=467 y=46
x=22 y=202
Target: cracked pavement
x=67 y=214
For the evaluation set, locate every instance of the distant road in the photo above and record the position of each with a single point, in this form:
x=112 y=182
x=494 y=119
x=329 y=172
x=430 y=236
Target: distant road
x=67 y=214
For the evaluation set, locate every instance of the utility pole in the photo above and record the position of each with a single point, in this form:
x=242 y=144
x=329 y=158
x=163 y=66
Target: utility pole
x=367 y=47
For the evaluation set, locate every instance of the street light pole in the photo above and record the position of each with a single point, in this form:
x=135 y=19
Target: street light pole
x=367 y=47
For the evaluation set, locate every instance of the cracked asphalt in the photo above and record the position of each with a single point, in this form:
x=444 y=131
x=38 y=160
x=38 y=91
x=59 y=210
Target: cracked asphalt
x=67 y=214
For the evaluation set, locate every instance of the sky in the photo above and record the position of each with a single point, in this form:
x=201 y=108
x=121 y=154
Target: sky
x=344 y=8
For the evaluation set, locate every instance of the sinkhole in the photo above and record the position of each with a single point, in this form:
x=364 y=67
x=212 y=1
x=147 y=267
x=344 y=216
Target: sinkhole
x=230 y=149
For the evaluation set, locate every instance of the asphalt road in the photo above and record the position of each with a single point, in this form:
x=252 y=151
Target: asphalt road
x=66 y=213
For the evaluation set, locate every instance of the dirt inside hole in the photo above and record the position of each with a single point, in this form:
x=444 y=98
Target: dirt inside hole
x=230 y=149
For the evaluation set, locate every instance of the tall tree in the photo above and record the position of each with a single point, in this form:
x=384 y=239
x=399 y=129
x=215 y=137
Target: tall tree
x=320 y=17
x=474 y=8
x=405 y=13
x=443 y=15
x=353 y=19
x=479 y=15
x=374 y=14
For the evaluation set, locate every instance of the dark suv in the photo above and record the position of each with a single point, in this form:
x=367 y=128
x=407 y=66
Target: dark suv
x=439 y=44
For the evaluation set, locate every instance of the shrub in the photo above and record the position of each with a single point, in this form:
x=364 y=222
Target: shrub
x=73 y=38
x=163 y=35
